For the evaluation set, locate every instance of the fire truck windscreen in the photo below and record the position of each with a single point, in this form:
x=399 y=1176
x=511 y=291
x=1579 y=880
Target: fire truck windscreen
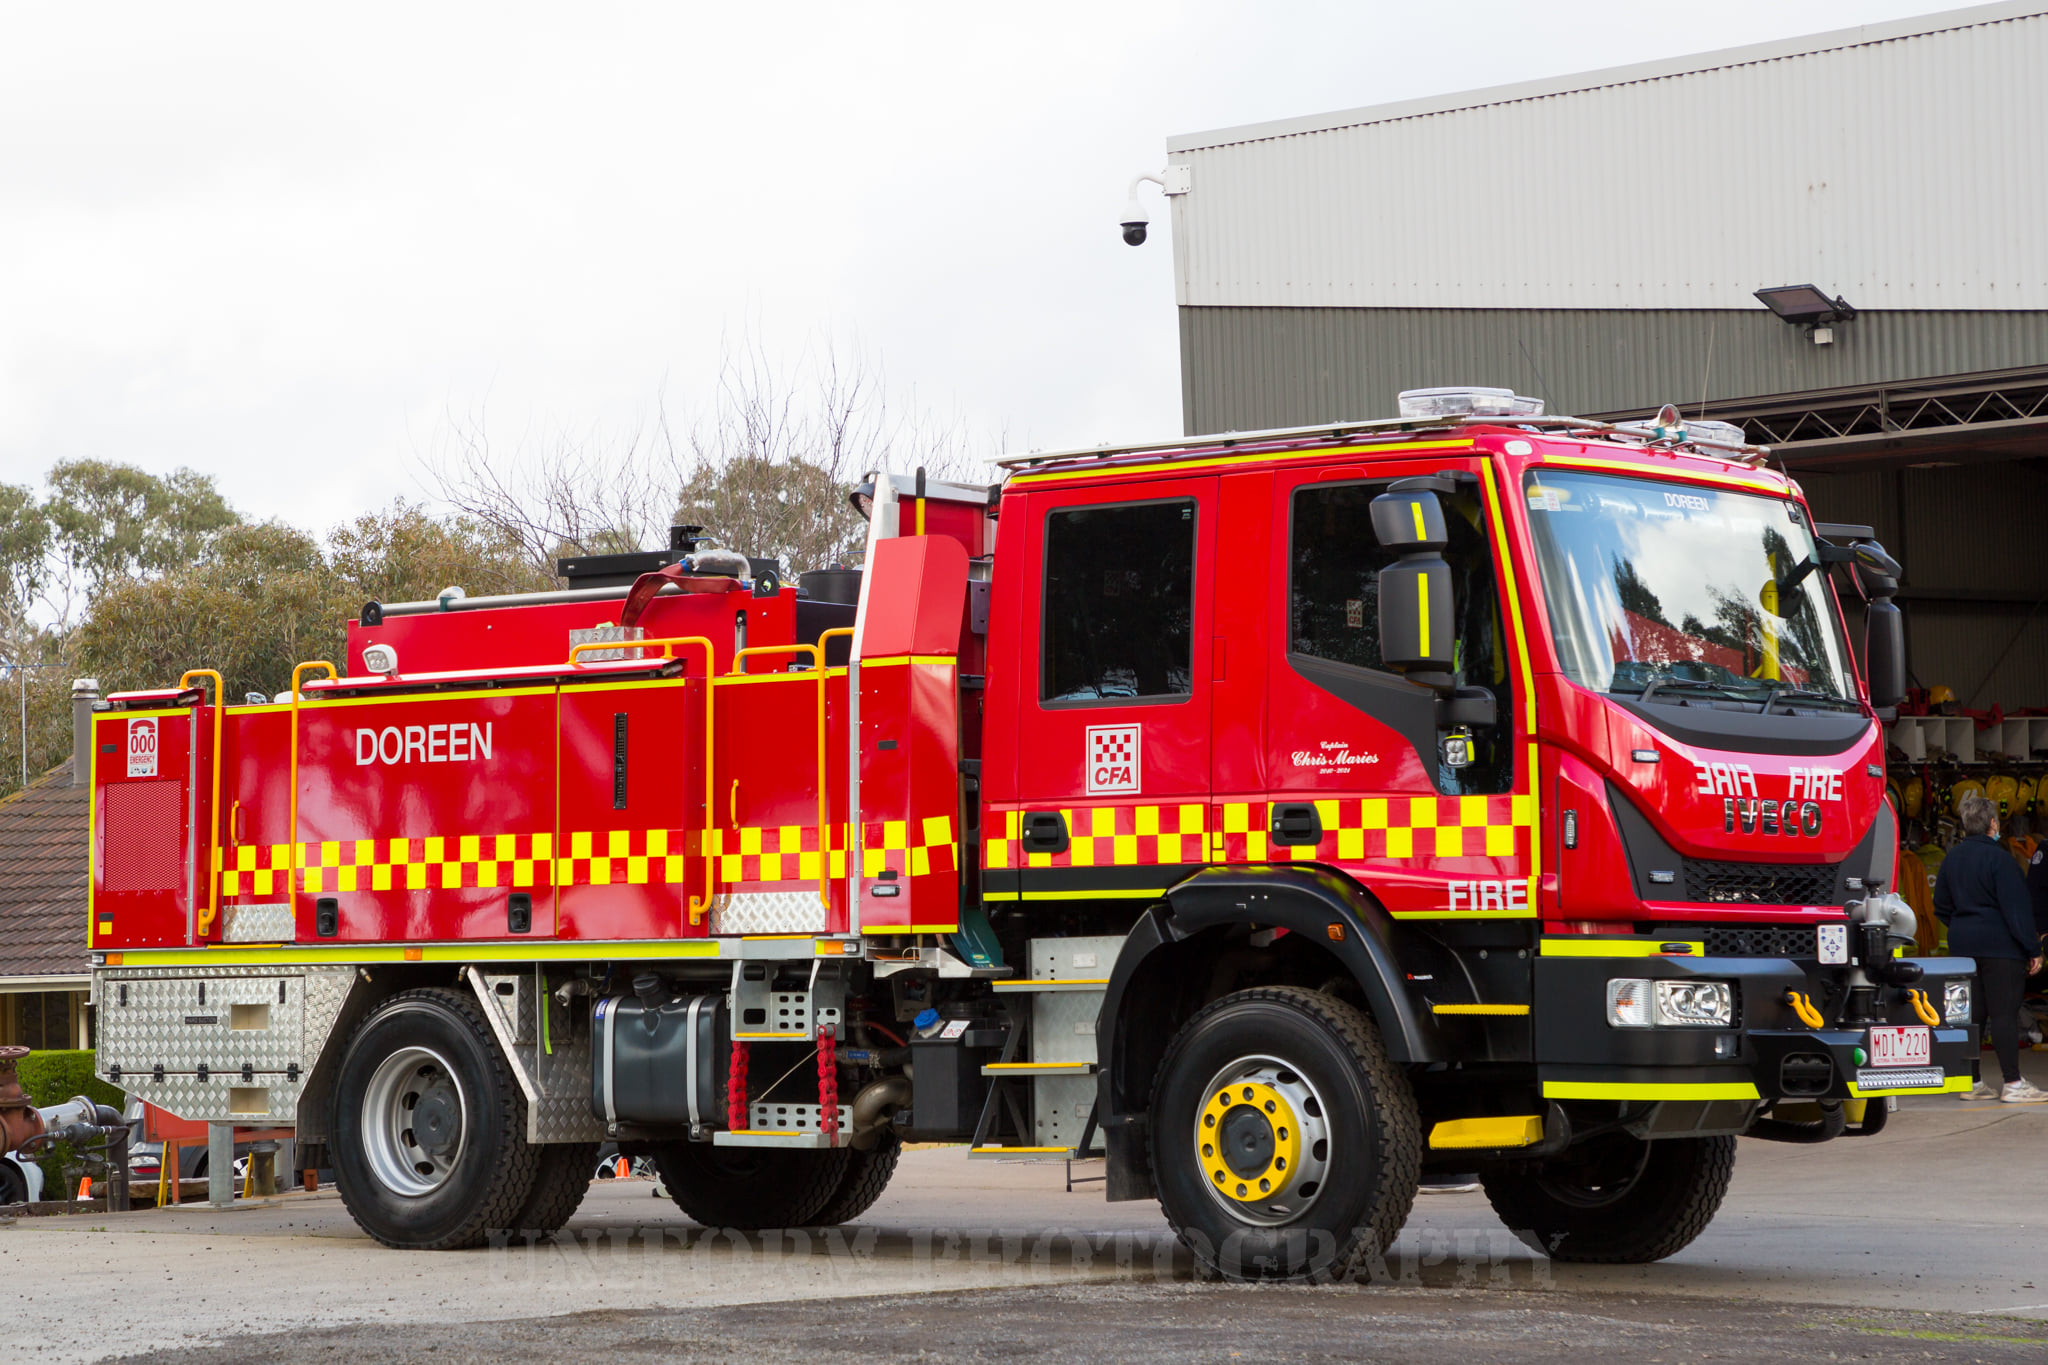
x=1694 y=591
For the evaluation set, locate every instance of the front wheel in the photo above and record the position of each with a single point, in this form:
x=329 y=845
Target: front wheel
x=1615 y=1199
x=1285 y=1143
x=428 y=1126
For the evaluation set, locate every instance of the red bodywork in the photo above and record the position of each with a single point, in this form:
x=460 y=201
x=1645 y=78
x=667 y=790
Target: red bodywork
x=489 y=766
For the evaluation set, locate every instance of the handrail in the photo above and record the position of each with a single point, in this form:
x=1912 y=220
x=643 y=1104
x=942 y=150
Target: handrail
x=817 y=653
x=212 y=910
x=852 y=814
x=292 y=867
x=668 y=645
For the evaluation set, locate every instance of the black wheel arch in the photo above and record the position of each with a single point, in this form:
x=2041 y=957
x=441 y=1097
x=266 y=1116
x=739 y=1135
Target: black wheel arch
x=1166 y=969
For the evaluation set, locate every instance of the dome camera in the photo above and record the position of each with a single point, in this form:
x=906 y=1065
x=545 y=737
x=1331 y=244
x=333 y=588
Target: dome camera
x=1134 y=231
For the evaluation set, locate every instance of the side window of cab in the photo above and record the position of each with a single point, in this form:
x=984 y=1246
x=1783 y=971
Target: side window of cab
x=1334 y=563
x=1119 y=604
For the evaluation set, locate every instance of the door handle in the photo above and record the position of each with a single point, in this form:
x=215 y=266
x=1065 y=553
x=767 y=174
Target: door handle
x=1297 y=823
x=1045 y=831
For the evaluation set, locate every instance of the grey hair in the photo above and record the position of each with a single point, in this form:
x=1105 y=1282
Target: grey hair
x=1976 y=812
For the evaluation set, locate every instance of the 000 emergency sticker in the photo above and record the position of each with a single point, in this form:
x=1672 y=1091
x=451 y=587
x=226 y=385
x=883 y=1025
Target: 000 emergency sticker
x=142 y=747
x=1112 y=759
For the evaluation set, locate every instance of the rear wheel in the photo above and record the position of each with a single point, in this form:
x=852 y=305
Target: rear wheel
x=1285 y=1143
x=561 y=1179
x=750 y=1187
x=1615 y=1199
x=428 y=1126
x=867 y=1175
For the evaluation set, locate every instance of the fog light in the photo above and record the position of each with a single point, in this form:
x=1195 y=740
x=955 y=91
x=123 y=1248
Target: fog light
x=1727 y=1045
x=1695 y=1003
x=1955 y=1002
x=1628 y=1003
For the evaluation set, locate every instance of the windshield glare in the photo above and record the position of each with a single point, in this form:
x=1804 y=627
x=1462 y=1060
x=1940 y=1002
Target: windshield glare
x=1693 y=592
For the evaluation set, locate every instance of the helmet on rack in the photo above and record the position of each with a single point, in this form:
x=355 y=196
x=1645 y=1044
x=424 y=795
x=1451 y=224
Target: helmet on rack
x=1940 y=695
x=1914 y=797
x=2003 y=791
x=1967 y=787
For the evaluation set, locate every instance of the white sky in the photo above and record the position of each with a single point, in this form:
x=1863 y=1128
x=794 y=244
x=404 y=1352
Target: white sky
x=281 y=247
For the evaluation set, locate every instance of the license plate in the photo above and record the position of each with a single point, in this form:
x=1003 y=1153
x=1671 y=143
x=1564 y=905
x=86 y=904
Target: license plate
x=1833 y=942
x=1901 y=1047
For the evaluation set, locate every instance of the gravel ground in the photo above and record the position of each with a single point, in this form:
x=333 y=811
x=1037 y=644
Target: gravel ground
x=1178 y=1323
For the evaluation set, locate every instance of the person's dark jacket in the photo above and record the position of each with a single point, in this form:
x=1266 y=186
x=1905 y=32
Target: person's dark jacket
x=1982 y=898
x=2037 y=887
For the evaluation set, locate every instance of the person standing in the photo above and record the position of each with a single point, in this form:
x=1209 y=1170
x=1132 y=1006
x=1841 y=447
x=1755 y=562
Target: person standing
x=1982 y=898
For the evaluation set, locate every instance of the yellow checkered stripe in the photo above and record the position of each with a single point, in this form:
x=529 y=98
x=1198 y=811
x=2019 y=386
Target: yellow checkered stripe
x=771 y=853
x=1110 y=836
x=911 y=848
x=1358 y=829
x=431 y=863
x=622 y=857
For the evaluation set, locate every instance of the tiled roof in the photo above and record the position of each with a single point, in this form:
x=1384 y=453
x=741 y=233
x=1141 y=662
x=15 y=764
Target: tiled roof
x=44 y=832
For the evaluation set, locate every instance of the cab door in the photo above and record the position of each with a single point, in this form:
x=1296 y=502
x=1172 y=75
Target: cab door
x=1357 y=770
x=1112 y=695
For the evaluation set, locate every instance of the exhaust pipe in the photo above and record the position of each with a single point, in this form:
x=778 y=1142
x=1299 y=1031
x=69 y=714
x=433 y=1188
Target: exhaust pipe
x=870 y=1120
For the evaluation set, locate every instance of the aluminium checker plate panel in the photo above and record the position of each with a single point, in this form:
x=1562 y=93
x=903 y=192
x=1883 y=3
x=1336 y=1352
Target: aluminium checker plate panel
x=768 y=912
x=155 y=1017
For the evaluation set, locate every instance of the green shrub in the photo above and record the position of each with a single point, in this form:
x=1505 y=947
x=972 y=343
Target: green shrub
x=52 y=1078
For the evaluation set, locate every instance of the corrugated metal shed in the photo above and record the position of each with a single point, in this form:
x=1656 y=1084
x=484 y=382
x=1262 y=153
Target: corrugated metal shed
x=1243 y=369
x=1896 y=164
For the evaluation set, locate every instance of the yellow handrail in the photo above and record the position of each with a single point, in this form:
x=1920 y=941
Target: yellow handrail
x=668 y=645
x=817 y=653
x=298 y=671
x=212 y=910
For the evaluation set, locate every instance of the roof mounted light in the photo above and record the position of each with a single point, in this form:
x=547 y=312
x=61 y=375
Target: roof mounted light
x=1468 y=401
x=862 y=497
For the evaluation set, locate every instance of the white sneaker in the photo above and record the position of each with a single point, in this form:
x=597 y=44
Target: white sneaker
x=1983 y=1090
x=2023 y=1092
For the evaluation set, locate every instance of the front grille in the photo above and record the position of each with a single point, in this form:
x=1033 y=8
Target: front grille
x=1760 y=883
x=1760 y=943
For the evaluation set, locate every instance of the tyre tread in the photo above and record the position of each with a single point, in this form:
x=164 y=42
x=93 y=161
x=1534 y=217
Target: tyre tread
x=512 y=1178
x=1689 y=1205
x=1392 y=1099
x=867 y=1175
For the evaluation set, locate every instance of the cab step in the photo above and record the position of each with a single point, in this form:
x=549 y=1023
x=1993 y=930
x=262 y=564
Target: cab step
x=1039 y=1069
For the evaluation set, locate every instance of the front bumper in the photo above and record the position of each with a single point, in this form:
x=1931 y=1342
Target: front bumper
x=1768 y=1054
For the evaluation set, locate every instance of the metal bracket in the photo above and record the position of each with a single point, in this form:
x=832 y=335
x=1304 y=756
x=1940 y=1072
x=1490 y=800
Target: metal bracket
x=501 y=1025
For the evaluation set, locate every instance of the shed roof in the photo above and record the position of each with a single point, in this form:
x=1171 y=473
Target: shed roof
x=45 y=832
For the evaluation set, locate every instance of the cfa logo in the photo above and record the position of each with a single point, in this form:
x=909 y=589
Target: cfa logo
x=423 y=744
x=1112 y=759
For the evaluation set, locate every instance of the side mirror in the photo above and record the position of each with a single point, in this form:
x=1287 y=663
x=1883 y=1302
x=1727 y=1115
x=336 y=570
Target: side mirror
x=1884 y=652
x=1415 y=616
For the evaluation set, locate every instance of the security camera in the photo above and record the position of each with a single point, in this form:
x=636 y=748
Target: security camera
x=1135 y=219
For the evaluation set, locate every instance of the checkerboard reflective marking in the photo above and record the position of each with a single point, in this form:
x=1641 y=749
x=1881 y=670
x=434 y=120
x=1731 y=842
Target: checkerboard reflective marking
x=1359 y=829
x=1355 y=829
x=1109 y=836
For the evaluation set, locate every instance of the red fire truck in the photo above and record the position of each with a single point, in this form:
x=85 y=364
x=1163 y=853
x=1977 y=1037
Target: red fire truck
x=1281 y=815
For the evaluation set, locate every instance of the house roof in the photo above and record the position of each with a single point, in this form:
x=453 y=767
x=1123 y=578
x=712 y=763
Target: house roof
x=45 y=830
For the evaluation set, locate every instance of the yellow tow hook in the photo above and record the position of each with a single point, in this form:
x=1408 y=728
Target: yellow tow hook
x=1924 y=1007
x=1803 y=1007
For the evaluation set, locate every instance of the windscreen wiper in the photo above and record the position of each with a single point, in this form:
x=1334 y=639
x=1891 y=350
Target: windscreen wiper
x=1657 y=685
x=1801 y=694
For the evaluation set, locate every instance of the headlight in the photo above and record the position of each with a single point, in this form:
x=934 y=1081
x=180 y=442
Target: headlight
x=1638 y=1003
x=1955 y=1002
x=1695 y=1002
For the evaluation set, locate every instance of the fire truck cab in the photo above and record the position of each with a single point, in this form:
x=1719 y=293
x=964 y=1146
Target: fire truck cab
x=1278 y=815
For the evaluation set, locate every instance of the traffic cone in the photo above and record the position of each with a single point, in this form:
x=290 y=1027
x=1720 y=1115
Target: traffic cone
x=623 y=1168
x=85 y=1187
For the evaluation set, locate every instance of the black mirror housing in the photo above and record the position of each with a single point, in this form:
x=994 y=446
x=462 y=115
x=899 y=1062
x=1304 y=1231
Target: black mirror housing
x=1408 y=520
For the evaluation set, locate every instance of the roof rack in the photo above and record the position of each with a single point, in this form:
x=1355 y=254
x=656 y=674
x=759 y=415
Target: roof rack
x=1190 y=446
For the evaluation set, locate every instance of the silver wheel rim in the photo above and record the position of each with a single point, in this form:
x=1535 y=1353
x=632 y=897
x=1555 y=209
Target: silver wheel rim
x=1251 y=1083
x=415 y=1121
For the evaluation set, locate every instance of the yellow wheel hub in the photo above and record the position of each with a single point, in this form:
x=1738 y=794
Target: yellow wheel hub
x=1249 y=1141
